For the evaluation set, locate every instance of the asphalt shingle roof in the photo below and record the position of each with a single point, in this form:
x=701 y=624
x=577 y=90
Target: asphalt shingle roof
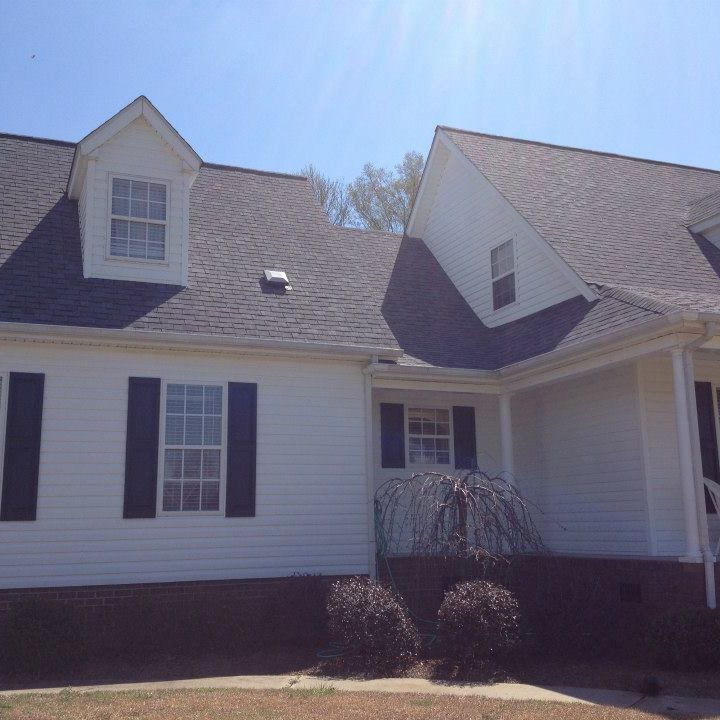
x=358 y=287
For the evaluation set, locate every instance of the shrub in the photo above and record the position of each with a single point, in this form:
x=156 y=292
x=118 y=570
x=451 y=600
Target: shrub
x=42 y=637
x=372 y=622
x=478 y=623
x=686 y=640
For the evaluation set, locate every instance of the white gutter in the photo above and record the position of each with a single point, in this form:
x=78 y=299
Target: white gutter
x=187 y=341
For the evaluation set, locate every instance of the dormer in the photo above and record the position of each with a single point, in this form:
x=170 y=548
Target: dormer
x=132 y=178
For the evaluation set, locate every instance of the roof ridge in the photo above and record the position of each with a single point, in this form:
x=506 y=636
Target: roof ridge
x=33 y=138
x=255 y=171
x=588 y=151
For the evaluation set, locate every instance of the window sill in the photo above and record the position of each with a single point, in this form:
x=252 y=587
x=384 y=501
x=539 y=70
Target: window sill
x=134 y=262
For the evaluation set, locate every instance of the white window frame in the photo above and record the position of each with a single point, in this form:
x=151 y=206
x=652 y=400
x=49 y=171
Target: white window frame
x=122 y=259
x=513 y=271
x=434 y=466
x=161 y=450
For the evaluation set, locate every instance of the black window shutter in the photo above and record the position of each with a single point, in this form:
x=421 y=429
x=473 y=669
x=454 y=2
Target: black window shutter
x=22 y=446
x=241 y=450
x=708 y=437
x=141 y=448
x=464 y=437
x=392 y=435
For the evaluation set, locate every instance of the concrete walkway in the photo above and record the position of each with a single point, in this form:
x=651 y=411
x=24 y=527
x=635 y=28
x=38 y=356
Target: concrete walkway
x=665 y=704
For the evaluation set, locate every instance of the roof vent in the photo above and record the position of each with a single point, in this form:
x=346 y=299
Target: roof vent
x=277 y=278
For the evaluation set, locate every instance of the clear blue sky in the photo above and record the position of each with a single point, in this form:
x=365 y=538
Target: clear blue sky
x=275 y=85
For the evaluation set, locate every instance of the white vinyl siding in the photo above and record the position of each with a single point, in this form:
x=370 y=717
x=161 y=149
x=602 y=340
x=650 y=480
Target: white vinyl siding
x=311 y=498
x=468 y=218
x=579 y=457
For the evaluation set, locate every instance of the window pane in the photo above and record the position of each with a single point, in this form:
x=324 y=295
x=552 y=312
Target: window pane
x=175 y=398
x=175 y=430
x=156 y=211
x=194 y=399
x=191 y=496
x=137 y=248
x=119 y=228
x=504 y=291
x=138 y=190
x=211 y=434
x=193 y=430
x=118 y=246
x=502 y=259
x=442 y=415
x=157 y=193
x=173 y=464
x=155 y=251
x=121 y=188
x=443 y=428
x=213 y=400
x=138 y=231
x=138 y=208
x=211 y=464
x=443 y=458
x=415 y=457
x=415 y=443
x=191 y=464
x=120 y=206
x=172 y=492
x=210 y=496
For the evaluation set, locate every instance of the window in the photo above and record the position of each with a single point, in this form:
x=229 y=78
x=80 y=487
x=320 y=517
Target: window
x=502 y=263
x=138 y=219
x=429 y=436
x=192 y=461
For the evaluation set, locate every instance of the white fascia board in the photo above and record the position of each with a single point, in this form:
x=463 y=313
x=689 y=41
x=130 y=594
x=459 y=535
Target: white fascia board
x=140 y=107
x=564 y=268
x=152 y=340
x=415 y=228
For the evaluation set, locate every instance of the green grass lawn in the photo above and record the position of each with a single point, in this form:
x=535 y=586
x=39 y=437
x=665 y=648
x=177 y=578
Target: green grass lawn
x=321 y=704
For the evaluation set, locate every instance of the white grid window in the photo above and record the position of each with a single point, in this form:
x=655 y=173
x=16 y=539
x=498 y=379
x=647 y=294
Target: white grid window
x=502 y=264
x=193 y=448
x=138 y=219
x=429 y=436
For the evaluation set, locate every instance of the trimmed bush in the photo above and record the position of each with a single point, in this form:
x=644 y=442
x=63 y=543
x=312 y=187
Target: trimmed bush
x=478 y=623
x=686 y=640
x=372 y=622
x=42 y=637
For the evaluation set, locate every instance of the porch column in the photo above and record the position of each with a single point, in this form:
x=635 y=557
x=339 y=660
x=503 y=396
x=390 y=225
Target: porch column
x=685 y=453
x=506 y=439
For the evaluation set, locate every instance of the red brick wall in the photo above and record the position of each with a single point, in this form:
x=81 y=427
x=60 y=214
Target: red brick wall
x=177 y=616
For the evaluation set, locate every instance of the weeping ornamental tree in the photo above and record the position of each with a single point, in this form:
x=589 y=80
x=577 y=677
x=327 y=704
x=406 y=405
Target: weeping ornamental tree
x=472 y=516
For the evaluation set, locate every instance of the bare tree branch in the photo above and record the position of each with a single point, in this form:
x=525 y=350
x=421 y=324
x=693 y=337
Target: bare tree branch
x=331 y=195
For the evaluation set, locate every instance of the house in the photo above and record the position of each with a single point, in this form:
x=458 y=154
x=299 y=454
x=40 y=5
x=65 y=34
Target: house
x=203 y=381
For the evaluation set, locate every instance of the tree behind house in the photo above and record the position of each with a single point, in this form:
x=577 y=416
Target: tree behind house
x=378 y=199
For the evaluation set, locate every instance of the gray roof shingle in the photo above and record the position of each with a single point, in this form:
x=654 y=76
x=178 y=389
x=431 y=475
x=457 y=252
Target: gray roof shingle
x=349 y=286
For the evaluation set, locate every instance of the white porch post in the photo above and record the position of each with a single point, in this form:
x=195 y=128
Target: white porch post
x=685 y=453
x=506 y=438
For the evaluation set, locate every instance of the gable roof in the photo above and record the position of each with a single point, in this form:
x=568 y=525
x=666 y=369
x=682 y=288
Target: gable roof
x=350 y=287
x=616 y=220
x=141 y=107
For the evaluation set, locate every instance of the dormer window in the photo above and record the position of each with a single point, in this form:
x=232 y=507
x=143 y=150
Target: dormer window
x=138 y=219
x=502 y=265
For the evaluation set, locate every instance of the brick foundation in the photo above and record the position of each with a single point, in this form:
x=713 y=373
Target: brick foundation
x=594 y=603
x=224 y=616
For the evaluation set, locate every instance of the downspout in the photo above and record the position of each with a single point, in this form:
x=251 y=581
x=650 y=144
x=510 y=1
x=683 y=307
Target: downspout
x=370 y=468
x=707 y=554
